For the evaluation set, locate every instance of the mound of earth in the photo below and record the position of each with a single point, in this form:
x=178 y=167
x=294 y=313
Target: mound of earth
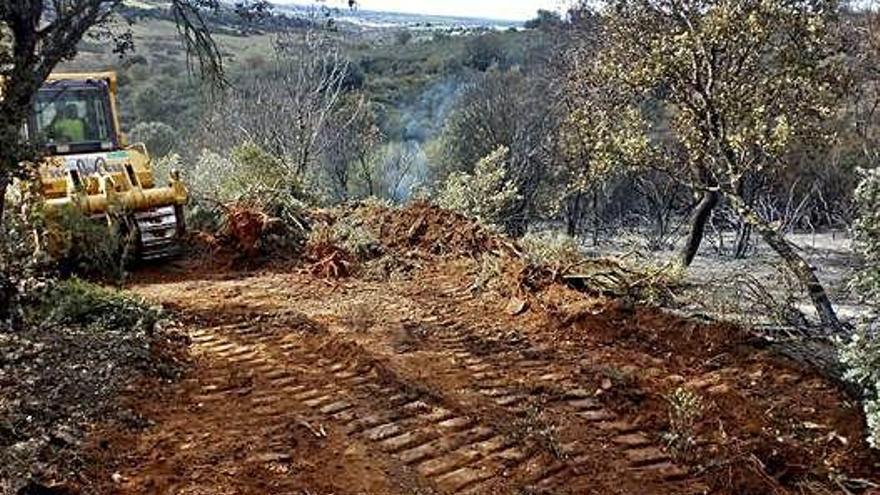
x=433 y=230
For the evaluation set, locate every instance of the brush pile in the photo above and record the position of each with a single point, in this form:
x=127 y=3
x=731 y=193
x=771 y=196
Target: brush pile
x=376 y=240
x=246 y=234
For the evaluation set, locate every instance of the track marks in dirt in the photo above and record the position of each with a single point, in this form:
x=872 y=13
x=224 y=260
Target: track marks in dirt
x=572 y=444
x=452 y=451
x=519 y=380
x=453 y=403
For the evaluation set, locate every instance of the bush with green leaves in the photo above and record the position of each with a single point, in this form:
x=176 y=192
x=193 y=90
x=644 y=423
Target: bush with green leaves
x=861 y=356
x=860 y=353
x=37 y=246
x=867 y=235
x=75 y=302
x=553 y=249
x=21 y=274
x=89 y=246
x=250 y=175
x=486 y=194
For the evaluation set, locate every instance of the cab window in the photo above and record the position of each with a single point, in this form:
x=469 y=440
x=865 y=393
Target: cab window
x=74 y=116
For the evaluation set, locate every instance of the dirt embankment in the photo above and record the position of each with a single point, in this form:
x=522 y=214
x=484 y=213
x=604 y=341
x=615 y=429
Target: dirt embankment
x=436 y=379
x=62 y=371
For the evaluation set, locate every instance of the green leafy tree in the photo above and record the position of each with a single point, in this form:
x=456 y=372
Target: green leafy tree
x=484 y=51
x=545 y=20
x=867 y=230
x=738 y=85
x=861 y=353
x=403 y=37
x=485 y=117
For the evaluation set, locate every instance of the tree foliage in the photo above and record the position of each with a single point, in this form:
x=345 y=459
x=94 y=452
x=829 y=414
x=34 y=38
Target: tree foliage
x=861 y=353
x=485 y=194
x=740 y=82
x=486 y=117
x=160 y=138
x=735 y=85
x=861 y=356
x=867 y=230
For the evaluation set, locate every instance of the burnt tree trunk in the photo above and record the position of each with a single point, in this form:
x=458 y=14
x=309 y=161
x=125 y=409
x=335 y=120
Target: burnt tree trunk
x=596 y=219
x=573 y=214
x=797 y=264
x=699 y=219
x=4 y=182
x=743 y=240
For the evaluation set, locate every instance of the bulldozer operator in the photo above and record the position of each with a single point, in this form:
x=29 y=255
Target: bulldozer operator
x=68 y=126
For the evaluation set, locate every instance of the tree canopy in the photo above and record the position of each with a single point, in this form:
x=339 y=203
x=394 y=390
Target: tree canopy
x=736 y=84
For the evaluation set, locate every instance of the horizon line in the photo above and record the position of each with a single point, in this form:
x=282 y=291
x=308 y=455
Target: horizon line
x=304 y=3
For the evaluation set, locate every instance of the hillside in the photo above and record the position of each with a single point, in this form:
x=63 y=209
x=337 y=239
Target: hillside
x=394 y=77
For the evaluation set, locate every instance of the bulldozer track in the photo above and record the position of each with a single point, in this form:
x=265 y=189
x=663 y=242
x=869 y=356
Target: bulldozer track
x=424 y=373
x=468 y=440
x=454 y=452
x=523 y=378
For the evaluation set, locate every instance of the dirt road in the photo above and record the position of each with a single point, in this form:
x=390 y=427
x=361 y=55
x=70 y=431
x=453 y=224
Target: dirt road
x=380 y=388
x=304 y=386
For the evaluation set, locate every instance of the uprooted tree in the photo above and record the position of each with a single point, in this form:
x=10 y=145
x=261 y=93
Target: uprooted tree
x=741 y=84
x=37 y=35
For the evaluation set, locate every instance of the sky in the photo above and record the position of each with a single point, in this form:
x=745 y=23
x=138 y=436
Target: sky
x=493 y=9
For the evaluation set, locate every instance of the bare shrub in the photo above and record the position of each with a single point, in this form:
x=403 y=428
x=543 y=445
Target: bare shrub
x=295 y=110
x=769 y=303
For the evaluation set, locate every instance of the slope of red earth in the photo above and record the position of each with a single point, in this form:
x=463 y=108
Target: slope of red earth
x=421 y=385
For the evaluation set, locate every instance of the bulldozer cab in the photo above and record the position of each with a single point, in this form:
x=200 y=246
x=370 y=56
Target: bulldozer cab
x=74 y=116
x=88 y=166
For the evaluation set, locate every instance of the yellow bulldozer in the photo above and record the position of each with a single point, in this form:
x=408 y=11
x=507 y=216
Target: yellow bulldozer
x=89 y=166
